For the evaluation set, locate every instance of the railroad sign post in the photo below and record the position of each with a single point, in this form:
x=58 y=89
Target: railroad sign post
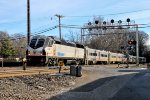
x=1 y=59
x=24 y=63
x=60 y=64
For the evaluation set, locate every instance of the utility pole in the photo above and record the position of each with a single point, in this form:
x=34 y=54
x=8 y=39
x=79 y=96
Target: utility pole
x=137 y=45
x=28 y=31
x=28 y=22
x=81 y=36
x=59 y=17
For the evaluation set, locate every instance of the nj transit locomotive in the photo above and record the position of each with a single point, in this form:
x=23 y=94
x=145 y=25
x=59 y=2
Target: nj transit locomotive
x=47 y=50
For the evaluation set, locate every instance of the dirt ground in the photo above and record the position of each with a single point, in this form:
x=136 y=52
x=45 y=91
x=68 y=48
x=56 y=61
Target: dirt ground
x=42 y=83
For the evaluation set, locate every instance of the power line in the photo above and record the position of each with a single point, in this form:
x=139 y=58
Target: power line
x=41 y=27
x=45 y=30
x=79 y=27
x=35 y=33
x=114 y=13
x=46 y=17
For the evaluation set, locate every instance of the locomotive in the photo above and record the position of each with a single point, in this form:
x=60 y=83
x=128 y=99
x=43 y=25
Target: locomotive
x=49 y=50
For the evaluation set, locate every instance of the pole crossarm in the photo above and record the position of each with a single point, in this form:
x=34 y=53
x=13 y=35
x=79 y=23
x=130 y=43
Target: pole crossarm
x=105 y=34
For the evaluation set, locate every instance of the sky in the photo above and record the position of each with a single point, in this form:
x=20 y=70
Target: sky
x=13 y=14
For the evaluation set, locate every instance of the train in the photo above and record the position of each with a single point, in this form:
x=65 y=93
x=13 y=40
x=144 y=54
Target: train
x=50 y=50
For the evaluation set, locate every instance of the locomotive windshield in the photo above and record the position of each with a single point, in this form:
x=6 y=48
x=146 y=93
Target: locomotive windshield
x=40 y=43
x=36 y=43
x=32 y=43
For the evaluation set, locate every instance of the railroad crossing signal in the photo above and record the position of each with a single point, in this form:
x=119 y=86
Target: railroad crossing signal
x=132 y=42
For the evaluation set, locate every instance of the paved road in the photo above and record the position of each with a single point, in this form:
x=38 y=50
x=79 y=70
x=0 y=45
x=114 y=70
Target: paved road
x=118 y=84
x=138 y=88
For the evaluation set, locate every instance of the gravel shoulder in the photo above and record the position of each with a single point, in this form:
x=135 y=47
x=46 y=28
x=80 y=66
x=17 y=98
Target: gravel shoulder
x=35 y=87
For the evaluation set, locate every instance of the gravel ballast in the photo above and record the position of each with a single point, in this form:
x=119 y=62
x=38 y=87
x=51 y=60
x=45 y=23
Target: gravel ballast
x=35 y=87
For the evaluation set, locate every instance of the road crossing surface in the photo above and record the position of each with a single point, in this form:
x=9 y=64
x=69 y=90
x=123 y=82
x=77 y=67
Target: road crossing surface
x=111 y=84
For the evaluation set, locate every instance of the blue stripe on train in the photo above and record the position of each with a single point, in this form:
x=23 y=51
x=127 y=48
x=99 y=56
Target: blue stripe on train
x=60 y=54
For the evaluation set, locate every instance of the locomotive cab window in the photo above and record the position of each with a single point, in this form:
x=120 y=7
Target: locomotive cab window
x=40 y=43
x=33 y=42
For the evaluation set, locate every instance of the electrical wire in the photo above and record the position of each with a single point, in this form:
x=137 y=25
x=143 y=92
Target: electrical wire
x=43 y=31
x=114 y=13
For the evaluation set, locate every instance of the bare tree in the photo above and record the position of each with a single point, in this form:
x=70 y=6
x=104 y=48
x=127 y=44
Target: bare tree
x=74 y=36
x=20 y=43
x=112 y=39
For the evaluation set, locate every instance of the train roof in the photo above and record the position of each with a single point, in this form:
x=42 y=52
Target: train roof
x=66 y=42
x=58 y=41
x=55 y=38
x=38 y=36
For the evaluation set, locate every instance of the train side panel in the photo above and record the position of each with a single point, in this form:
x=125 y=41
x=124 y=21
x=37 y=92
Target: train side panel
x=90 y=55
x=102 y=56
x=80 y=53
x=113 y=57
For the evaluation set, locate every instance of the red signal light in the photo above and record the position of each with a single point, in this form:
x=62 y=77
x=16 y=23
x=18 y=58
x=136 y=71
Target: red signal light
x=130 y=42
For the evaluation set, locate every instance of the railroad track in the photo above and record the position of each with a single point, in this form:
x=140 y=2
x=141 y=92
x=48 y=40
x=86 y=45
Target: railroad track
x=17 y=71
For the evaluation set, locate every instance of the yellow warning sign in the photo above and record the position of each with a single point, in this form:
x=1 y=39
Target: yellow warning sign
x=60 y=63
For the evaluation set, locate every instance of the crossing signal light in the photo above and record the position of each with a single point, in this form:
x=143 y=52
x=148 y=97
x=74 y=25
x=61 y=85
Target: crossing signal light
x=128 y=20
x=96 y=22
x=132 y=42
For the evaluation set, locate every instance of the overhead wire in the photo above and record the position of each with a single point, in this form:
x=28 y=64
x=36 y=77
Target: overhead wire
x=78 y=27
x=45 y=30
x=114 y=13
